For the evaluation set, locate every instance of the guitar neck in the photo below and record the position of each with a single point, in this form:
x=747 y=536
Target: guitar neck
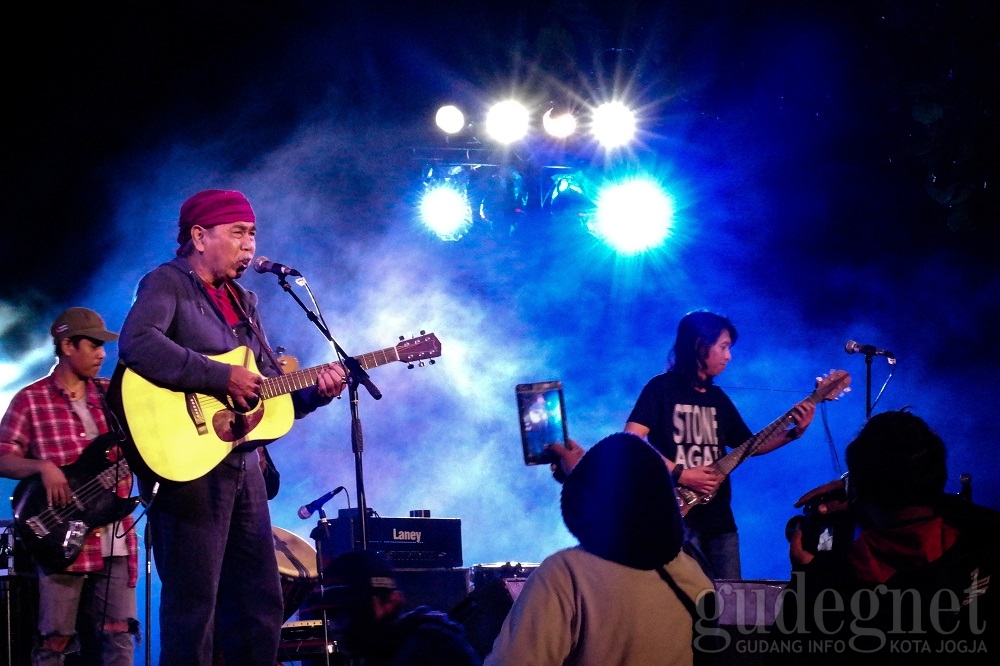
x=300 y=379
x=734 y=458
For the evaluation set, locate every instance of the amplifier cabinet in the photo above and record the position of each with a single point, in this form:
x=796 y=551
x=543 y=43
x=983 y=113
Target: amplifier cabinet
x=18 y=618
x=409 y=543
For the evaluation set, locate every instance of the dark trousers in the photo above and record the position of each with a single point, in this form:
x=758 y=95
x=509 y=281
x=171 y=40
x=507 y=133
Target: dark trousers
x=215 y=558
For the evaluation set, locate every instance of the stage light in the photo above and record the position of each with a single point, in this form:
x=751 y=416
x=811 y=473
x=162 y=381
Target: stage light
x=633 y=216
x=502 y=196
x=507 y=121
x=450 y=119
x=613 y=124
x=445 y=210
x=570 y=194
x=560 y=125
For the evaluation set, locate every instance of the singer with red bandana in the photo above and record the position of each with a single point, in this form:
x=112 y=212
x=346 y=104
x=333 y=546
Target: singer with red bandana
x=212 y=536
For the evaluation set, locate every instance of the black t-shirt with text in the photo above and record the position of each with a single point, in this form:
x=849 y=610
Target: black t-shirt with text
x=693 y=428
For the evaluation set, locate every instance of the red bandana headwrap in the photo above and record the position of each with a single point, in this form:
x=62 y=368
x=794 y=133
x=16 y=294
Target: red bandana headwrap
x=211 y=208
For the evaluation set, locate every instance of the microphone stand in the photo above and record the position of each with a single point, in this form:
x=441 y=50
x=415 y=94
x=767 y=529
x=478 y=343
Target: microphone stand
x=355 y=375
x=868 y=384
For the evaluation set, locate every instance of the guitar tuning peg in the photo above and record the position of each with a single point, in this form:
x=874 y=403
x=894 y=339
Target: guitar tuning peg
x=409 y=366
x=423 y=332
x=402 y=337
x=431 y=361
x=421 y=364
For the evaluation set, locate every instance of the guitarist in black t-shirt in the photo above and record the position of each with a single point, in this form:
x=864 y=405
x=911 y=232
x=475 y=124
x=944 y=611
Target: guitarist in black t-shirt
x=692 y=422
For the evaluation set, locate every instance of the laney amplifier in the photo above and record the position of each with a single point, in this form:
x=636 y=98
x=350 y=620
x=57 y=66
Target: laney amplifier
x=411 y=543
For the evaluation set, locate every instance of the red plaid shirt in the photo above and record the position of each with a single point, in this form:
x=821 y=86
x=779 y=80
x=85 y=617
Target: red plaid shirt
x=40 y=423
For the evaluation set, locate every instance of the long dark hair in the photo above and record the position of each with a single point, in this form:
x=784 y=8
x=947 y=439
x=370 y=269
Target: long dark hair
x=696 y=333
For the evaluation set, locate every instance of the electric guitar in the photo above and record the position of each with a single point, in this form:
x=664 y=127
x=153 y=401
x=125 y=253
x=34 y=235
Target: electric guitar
x=830 y=387
x=55 y=535
x=181 y=436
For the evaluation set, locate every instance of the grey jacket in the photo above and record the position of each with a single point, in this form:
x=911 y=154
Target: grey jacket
x=173 y=325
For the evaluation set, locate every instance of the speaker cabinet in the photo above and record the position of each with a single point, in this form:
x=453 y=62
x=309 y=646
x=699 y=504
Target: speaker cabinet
x=18 y=618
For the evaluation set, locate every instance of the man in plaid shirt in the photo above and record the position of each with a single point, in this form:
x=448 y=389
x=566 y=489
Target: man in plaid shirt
x=47 y=425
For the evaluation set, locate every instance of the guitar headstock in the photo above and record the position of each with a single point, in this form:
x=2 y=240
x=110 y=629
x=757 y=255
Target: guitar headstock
x=425 y=346
x=832 y=386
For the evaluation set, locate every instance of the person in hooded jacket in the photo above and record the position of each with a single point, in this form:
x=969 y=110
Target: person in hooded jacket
x=626 y=594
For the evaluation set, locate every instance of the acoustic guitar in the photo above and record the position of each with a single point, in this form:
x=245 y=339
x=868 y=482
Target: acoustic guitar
x=180 y=436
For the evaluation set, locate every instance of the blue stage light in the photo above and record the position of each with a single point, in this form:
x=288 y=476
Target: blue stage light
x=445 y=210
x=633 y=216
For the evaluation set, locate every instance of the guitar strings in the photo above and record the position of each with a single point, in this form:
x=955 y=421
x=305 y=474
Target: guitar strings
x=287 y=382
x=85 y=492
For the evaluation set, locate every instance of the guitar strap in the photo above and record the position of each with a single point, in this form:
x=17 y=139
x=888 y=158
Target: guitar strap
x=114 y=425
x=683 y=596
x=253 y=328
x=707 y=637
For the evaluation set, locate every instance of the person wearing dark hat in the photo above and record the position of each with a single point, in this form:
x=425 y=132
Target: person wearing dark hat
x=212 y=536
x=47 y=426
x=627 y=594
x=691 y=421
x=365 y=607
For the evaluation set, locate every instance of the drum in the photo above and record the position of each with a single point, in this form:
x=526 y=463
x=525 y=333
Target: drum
x=297 y=567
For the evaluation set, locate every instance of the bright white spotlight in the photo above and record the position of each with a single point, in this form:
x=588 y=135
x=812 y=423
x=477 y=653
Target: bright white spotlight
x=633 y=216
x=450 y=119
x=613 y=124
x=446 y=211
x=560 y=126
x=507 y=121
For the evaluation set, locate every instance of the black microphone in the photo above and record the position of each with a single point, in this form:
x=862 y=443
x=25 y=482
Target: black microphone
x=312 y=507
x=265 y=265
x=853 y=347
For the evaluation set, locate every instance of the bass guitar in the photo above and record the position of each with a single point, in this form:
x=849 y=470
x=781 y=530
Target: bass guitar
x=827 y=388
x=181 y=436
x=55 y=535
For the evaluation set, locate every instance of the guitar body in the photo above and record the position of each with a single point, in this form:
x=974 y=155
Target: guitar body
x=687 y=498
x=55 y=536
x=183 y=436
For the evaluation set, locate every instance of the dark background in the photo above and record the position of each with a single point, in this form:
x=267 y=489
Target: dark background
x=833 y=165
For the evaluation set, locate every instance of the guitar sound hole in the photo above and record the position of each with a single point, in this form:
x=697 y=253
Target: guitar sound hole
x=231 y=426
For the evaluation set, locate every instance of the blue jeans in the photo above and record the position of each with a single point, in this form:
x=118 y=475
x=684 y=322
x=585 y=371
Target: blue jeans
x=107 y=604
x=215 y=558
x=721 y=553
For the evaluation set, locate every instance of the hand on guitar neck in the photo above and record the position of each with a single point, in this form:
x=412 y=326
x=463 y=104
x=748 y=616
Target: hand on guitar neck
x=244 y=385
x=331 y=381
